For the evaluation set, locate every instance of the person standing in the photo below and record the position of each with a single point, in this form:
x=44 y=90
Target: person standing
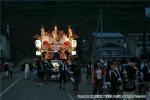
x=89 y=71
x=26 y=70
x=146 y=75
x=129 y=77
x=108 y=68
x=11 y=65
x=114 y=76
x=6 y=69
x=40 y=74
x=97 y=81
x=63 y=74
x=75 y=68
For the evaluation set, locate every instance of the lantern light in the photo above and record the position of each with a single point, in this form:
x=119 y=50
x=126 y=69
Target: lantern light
x=45 y=42
x=74 y=43
x=38 y=43
x=38 y=53
x=74 y=53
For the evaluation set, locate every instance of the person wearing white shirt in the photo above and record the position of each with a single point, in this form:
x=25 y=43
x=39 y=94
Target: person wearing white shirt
x=97 y=78
x=27 y=70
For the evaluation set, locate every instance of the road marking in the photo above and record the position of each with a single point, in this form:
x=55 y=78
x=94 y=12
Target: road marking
x=9 y=87
x=70 y=96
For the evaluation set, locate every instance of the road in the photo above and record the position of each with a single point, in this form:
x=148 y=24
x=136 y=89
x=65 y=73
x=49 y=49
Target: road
x=21 y=89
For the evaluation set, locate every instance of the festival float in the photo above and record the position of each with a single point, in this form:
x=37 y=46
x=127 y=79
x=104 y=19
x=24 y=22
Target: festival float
x=56 y=45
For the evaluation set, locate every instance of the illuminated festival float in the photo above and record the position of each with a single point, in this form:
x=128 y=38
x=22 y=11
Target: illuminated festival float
x=56 y=45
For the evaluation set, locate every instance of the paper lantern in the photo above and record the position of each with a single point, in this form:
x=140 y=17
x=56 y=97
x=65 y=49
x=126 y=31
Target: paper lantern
x=38 y=43
x=45 y=42
x=38 y=53
x=74 y=53
x=74 y=43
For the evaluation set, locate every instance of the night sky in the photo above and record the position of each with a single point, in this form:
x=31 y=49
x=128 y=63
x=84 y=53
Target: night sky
x=26 y=18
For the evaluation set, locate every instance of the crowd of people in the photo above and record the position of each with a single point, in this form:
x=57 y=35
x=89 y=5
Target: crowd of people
x=119 y=76
x=43 y=70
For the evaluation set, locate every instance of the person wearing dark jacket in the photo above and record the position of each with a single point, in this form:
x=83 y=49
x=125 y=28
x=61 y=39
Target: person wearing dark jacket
x=75 y=68
x=6 y=69
x=89 y=71
x=108 y=76
x=129 y=74
x=63 y=73
x=146 y=75
x=40 y=72
x=114 y=76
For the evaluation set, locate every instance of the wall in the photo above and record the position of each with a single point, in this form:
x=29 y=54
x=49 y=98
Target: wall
x=4 y=46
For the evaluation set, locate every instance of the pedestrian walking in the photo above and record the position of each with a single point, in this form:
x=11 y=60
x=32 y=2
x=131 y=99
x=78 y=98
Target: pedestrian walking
x=129 y=74
x=26 y=70
x=97 y=81
x=108 y=68
x=6 y=69
x=76 y=78
x=89 y=71
x=11 y=65
x=40 y=72
x=146 y=75
x=114 y=76
x=63 y=73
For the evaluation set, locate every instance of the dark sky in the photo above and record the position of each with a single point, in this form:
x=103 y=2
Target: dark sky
x=26 y=18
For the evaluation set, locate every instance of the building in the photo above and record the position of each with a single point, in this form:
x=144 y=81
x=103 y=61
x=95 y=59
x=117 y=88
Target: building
x=118 y=45
x=136 y=43
x=5 y=44
x=109 y=45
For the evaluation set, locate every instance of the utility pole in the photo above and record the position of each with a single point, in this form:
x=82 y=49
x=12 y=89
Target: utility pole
x=100 y=19
x=101 y=14
x=7 y=42
x=144 y=35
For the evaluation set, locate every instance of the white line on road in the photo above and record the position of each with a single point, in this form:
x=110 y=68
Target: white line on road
x=9 y=87
x=70 y=96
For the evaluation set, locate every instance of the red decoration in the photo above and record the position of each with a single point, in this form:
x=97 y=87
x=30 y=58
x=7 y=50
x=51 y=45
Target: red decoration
x=45 y=42
x=46 y=33
x=67 y=43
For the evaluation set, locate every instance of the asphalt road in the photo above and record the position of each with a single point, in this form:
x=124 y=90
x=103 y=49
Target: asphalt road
x=21 y=89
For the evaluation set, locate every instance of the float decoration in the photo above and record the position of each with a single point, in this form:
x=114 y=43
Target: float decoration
x=56 y=44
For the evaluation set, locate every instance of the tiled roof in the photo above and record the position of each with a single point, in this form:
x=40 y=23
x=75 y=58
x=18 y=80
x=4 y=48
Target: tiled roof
x=114 y=35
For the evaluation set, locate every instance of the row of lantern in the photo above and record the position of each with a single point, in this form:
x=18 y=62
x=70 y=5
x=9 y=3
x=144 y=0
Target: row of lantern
x=38 y=44
x=51 y=55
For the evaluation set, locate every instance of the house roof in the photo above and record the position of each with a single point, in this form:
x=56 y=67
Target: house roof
x=109 y=35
